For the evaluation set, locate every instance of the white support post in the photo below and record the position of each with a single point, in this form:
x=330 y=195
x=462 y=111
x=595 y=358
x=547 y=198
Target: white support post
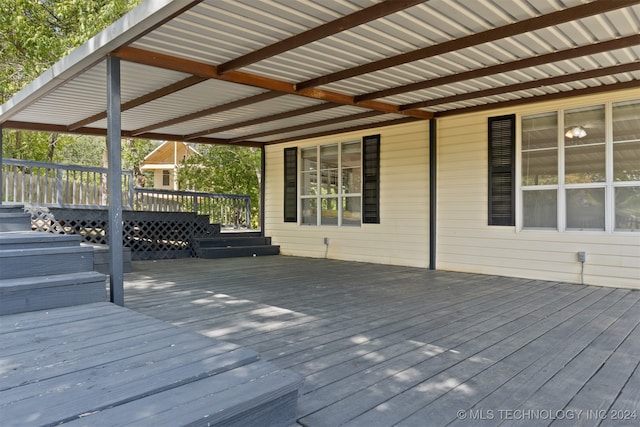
x=114 y=186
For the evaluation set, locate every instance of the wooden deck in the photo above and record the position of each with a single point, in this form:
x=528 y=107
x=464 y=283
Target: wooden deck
x=383 y=345
x=102 y=365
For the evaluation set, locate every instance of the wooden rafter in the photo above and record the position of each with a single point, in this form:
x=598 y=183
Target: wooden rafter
x=265 y=96
x=566 y=78
x=360 y=17
x=43 y=127
x=316 y=124
x=528 y=25
x=632 y=84
x=156 y=94
x=266 y=119
x=548 y=58
x=155 y=59
x=343 y=130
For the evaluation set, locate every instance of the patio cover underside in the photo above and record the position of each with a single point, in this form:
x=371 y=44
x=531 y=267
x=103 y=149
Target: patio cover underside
x=263 y=72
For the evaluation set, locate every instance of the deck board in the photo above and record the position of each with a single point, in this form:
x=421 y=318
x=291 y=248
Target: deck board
x=383 y=345
x=94 y=364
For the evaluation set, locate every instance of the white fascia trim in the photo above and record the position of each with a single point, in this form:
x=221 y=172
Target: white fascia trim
x=122 y=32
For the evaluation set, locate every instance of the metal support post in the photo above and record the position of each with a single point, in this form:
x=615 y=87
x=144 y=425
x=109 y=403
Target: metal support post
x=114 y=186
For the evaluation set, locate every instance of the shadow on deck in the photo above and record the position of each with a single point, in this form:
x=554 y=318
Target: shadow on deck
x=69 y=357
x=382 y=345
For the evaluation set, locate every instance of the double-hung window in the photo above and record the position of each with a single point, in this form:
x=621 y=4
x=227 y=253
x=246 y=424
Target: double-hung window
x=581 y=168
x=331 y=182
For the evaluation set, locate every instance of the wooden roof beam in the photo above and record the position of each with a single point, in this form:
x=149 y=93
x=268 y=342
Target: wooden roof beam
x=319 y=123
x=154 y=59
x=632 y=84
x=43 y=127
x=548 y=58
x=355 y=19
x=565 y=78
x=266 y=119
x=521 y=27
x=356 y=128
x=156 y=94
x=265 y=96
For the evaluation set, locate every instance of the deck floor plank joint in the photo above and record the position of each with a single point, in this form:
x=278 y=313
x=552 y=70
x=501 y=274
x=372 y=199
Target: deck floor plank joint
x=434 y=343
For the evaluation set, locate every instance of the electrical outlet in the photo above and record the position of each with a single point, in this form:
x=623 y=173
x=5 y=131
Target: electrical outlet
x=582 y=256
x=326 y=241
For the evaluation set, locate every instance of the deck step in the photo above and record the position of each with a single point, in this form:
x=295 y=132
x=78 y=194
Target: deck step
x=19 y=295
x=235 y=244
x=102 y=260
x=35 y=239
x=16 y=263
x=257 y=394
x=14 y=219
x=223 y=241
x=227 y=234
x=238 y=251
x=81 y=377
x=11 y=208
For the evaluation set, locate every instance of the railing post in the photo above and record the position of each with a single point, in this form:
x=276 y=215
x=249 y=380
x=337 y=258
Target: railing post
x=59 y=186
x=195 y=204
x=247 y=207
x=131 y=185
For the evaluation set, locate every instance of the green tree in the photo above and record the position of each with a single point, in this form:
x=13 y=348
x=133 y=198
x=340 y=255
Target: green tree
x=35 y=34
x=133 y=153
x=224 y=169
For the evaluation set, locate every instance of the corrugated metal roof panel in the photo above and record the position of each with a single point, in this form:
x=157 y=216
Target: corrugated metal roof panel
x=309 y=119
x=216 y=31
x=237 y=115
x=330 y=128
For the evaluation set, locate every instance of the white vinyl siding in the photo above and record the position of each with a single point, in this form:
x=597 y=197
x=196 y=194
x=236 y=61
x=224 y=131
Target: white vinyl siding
x=401 y=238
x=466 y=243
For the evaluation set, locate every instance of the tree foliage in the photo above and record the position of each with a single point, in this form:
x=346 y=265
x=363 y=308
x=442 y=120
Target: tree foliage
x=224 y=169
x=35 y=34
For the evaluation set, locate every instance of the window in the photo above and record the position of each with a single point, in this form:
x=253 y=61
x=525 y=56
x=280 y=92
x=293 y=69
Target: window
x=502 y=152
x=166 y=178
x=331 y=182
x=626 y=165
x=540 y=171
x=581 y=168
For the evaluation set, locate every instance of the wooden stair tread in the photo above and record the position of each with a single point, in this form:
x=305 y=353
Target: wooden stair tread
x=183 y=379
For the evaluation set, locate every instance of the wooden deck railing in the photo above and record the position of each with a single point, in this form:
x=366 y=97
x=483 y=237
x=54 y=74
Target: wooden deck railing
x=62 y=185
x=55 y=184
x=229 y=210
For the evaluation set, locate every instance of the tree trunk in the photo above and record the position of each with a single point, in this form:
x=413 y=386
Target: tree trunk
x=16 y=153
x=53 y=139
x=137 y=172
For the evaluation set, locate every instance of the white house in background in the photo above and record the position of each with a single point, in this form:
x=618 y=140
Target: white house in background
x=164 y=161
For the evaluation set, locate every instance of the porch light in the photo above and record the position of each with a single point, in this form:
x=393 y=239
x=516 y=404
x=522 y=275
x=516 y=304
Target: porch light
x=576 y=132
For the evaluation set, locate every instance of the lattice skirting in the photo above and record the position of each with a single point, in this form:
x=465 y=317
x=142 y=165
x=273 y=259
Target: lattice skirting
x=150 y=235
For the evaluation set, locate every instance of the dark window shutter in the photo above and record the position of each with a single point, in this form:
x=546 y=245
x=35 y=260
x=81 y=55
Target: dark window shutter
x=371 y=179
x=291 y=184
x=502 y=156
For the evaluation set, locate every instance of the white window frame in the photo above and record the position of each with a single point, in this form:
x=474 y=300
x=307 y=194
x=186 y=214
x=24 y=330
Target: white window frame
x=319 y=196
x=609 y=185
